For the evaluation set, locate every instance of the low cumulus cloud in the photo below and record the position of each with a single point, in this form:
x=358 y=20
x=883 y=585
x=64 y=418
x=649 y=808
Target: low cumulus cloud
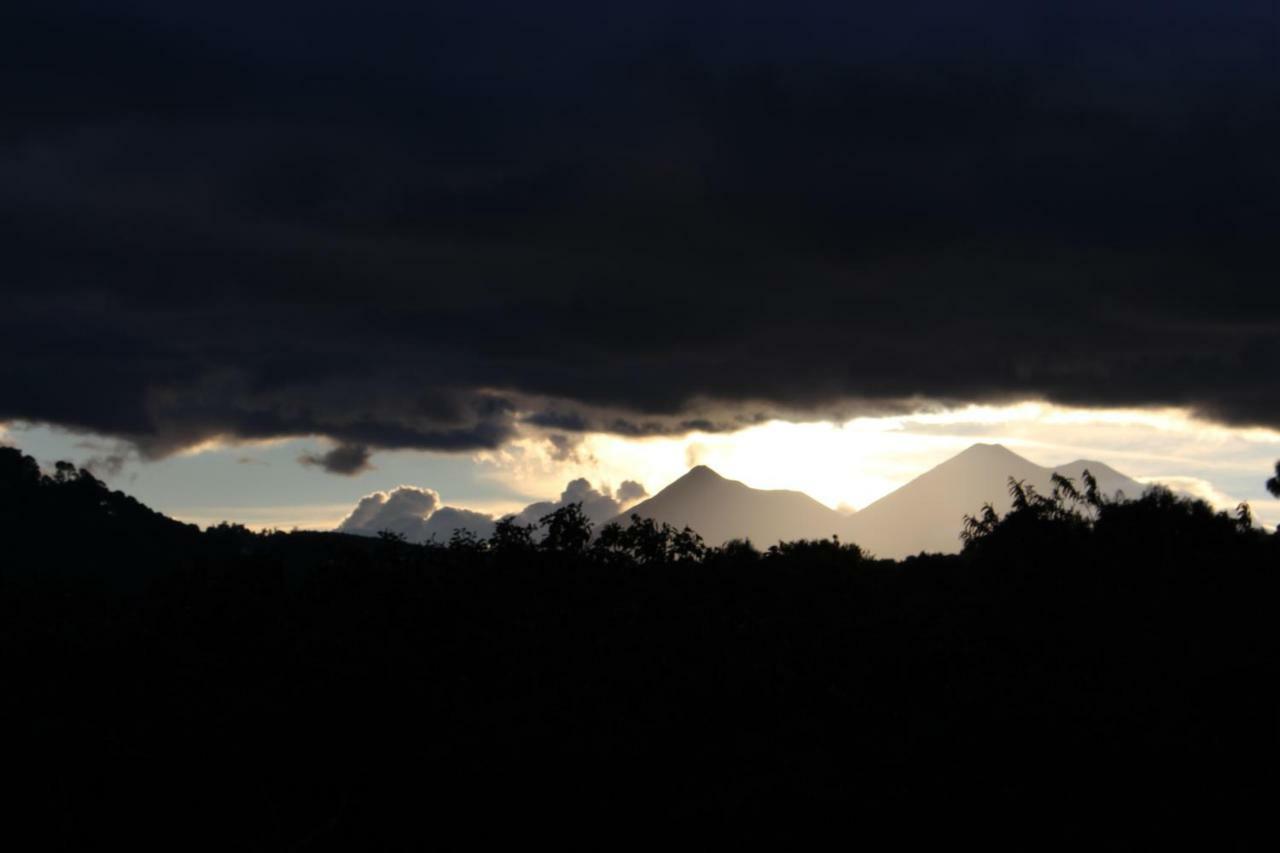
x=1196 y=487
x=404 y=510
x=630 y=492
x=444 y=521
x=599 y=505
x=418 y=514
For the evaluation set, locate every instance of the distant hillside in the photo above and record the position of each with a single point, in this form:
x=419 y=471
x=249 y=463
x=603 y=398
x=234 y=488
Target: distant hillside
x=720 y=509
x=926 y=514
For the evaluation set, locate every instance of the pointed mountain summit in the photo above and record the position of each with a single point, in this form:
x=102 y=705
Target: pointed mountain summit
x=700 y=474
x=720 y=509
x=1109 y=479
x=927 y=513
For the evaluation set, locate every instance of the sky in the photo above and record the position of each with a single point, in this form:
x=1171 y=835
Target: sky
x=844 y=465
x=279 y=256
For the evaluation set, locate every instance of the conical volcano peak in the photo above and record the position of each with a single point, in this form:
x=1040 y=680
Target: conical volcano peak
x=721 y=509
x=702 y=480
x=985 y=455
x=702 y=472
x=985 y=449
x=1092 y=465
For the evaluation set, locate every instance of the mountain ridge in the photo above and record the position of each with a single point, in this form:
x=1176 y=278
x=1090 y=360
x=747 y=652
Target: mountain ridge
x=925 y=514
x=725 y=509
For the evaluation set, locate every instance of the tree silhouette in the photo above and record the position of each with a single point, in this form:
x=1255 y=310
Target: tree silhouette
x=647 y=543
x=1273 y=484
x=568 y=530
x=511 y=538
x=464 y=540
x=17 y=470
x=585 y=668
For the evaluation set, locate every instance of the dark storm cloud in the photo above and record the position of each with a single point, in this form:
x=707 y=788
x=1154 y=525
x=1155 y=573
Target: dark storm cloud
x=404 y=228
x=346 y=459
x=564 y=448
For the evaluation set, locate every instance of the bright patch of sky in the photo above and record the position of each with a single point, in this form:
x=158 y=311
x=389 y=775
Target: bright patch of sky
x=849 y=465
x=262 y=484
x=845 y=465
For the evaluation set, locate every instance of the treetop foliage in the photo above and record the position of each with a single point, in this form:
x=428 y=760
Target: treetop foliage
x=268 y=691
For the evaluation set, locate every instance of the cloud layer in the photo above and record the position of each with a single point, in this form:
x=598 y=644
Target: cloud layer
x=417 y=514
x=412 y=228
x=345 y=459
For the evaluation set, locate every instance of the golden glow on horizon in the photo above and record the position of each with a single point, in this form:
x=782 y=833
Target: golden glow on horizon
x=844 y=465
x=230 y=442
x=854 y=463
x=287 y=517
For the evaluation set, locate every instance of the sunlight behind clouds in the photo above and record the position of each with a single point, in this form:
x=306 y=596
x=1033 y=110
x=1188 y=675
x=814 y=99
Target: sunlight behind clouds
x=858 y=461
x=843 y=465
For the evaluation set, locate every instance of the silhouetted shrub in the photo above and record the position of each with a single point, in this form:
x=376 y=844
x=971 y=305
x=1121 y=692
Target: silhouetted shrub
x=566 y=531
x=276 y=690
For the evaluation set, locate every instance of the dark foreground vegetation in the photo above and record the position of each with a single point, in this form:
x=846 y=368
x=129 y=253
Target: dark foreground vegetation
x=1083 y=660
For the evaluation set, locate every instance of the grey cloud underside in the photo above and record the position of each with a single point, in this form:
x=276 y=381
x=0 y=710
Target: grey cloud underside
x=405 y=231
x=345 y=459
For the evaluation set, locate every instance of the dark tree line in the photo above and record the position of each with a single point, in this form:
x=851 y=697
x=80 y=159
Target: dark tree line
x=1082 y=657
